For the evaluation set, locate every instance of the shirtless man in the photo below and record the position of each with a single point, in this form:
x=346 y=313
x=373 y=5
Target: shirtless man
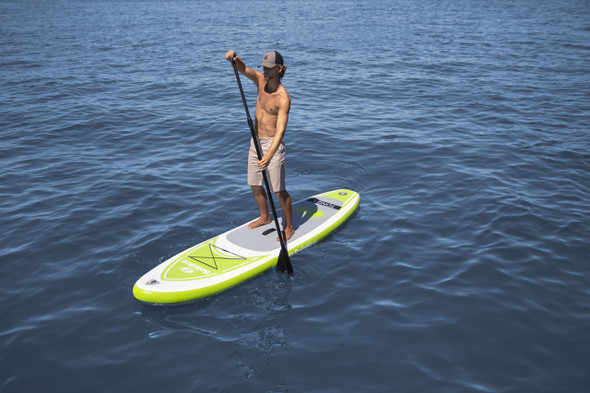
x=272 y=112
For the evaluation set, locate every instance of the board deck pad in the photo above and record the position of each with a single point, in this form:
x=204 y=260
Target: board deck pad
x=306 y=217
x=241 y=253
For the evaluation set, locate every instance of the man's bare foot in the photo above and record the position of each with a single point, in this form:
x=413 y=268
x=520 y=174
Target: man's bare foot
x=259 y=222
x=288 y=233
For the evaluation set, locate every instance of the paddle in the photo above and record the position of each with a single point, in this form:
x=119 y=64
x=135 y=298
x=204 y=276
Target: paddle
x=284 y=262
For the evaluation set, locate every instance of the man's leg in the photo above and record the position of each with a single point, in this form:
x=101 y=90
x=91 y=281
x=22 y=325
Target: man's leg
x=260 y=196
x=287 y=208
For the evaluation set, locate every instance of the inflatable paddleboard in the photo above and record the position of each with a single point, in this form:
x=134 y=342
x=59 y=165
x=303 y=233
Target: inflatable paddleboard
x=241 y=253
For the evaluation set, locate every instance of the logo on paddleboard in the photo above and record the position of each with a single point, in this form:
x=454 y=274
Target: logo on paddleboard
x=185 y=269
x=324 y=203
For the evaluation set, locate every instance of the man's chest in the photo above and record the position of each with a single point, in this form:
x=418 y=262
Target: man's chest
x=268 y=103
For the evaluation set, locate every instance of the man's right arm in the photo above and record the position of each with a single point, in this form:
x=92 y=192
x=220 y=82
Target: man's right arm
x=242 y=67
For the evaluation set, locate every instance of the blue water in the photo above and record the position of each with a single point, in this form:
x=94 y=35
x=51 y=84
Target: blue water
x=464 y=125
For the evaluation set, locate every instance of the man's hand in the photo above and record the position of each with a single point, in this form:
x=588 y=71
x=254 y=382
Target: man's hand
x=230 y=55
x=263 y=164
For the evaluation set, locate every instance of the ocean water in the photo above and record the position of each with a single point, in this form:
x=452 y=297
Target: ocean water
x=464 y=125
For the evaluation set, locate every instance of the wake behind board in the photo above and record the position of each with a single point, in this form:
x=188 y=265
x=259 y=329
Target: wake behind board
x=241 y=253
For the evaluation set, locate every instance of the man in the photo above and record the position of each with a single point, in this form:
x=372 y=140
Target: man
x=272 y=113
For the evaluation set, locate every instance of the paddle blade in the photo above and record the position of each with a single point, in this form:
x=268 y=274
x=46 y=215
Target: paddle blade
x=284 y=262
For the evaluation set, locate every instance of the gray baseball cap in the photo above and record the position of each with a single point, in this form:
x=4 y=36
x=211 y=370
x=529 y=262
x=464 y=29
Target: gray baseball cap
x=271 y=59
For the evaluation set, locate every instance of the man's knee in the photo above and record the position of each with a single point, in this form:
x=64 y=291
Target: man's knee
x=258 y=189
x=282 y=194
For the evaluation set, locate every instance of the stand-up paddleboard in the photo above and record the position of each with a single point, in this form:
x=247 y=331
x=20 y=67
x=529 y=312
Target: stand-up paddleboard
x=237 y=255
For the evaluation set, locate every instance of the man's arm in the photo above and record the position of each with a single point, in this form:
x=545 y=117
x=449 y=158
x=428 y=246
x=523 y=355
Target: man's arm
x=243 y=68
x=282 y=119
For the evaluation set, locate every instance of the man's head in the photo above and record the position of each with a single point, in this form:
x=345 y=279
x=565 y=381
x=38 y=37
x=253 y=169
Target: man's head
x=273 y=65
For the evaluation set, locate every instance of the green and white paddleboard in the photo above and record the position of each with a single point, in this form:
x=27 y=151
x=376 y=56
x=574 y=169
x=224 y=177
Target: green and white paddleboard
x=241 y=253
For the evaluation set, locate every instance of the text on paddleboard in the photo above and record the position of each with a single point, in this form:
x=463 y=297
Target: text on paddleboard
x=324 y=203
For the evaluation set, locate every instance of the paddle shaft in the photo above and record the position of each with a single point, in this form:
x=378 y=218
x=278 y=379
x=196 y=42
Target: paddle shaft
x=284 y=252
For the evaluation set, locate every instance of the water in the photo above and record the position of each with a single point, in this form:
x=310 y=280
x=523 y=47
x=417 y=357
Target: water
x=463 y=125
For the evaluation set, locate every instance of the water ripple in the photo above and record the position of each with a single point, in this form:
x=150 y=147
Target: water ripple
x=463 y=126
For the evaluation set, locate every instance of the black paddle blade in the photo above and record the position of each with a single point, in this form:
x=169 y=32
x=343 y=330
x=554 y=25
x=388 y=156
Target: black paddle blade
x=284 y=262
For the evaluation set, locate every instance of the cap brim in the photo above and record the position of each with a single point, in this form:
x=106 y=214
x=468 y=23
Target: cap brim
x=267 y=65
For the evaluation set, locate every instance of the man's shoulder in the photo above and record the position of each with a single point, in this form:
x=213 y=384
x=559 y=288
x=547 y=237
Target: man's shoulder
x=283 y=92
x=284 y=99
x=260 y=81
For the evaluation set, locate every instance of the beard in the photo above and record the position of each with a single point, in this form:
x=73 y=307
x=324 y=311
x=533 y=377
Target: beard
x=270 y=73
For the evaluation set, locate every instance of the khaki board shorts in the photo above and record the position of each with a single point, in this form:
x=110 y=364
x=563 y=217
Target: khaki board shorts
x=275 y=171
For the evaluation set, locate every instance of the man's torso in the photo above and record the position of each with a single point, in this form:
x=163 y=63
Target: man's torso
x=267 y=110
